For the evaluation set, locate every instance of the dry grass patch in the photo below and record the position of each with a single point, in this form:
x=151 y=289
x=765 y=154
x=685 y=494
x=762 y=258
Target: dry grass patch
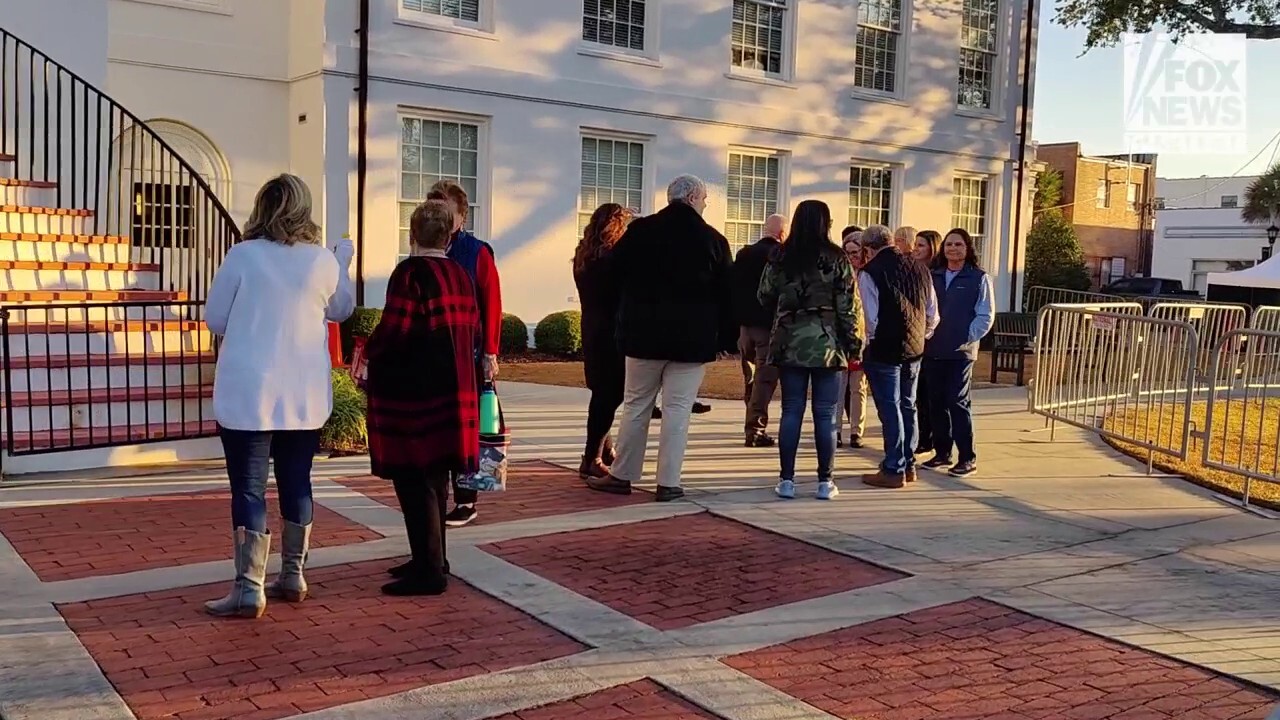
x=1250 y=440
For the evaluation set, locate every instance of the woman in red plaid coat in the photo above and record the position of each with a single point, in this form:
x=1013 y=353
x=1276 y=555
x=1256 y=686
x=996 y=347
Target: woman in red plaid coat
x=423 y=408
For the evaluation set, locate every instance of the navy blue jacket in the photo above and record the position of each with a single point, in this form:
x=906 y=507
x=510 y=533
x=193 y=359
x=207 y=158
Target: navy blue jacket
x=957 y=308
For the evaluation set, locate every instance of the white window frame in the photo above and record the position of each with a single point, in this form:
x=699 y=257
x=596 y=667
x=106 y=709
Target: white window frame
x=984 y=251
x=648 y=55
x=786 y=65
x=481 y=201
x=997 y=62
x=1102 y=195
x=781 y=202
x=895 y=190
x=646 y=170
x=901 y=62
x=482 y=27
x=1131 y=196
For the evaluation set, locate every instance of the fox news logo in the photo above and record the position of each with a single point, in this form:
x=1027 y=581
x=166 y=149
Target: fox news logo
x=1186 y=97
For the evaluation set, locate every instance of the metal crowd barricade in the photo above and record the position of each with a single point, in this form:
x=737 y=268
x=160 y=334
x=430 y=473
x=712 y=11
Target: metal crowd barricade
x=1242 y=424
x=1265 y=318
x=1108 y=369
x=1212 y=321
x=1039 y=296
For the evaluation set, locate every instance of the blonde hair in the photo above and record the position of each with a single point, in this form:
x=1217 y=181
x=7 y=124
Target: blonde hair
x=451 y=191
x=282 y=213
x=431 y=224
x=905 y=235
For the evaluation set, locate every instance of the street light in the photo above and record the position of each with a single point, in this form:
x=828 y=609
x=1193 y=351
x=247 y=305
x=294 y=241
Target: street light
x=1267 y=251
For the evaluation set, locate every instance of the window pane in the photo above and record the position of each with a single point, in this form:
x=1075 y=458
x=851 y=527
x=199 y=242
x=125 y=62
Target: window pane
x=969 y=208
x=616 y=23
x=751 y=196
x=870 y=195
x=429 y=152
x=612 y=171
x=757 y=32
x=465 y=10
x=978 y=29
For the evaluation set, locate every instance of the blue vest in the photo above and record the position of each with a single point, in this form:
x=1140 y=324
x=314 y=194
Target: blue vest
x=465 y=250
x=957 y=306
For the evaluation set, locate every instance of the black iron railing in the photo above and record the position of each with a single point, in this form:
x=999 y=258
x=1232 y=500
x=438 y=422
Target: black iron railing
x=100 y=158
x=79 y=376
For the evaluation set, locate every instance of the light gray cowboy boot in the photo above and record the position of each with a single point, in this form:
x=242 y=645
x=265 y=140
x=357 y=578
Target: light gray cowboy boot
x=246 y=599
x=290 y=585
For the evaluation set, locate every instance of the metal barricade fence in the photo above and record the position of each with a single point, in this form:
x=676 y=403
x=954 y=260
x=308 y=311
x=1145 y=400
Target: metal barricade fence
x=1108 y=369
x=1242 y=423
x=1265 y=318
x=1213 y=322
x=1039 y=296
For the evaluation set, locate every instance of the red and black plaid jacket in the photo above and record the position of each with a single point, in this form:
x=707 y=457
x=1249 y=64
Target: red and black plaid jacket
x=423 y=408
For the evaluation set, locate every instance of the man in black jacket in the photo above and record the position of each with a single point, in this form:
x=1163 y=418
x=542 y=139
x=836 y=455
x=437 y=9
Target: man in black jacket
x=901 y=312
x=674 y=275
x=760 y=379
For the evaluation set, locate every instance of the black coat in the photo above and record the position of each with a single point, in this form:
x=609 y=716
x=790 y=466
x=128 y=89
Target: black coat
x=599 y=297
x=747 y=269
x=674 y=272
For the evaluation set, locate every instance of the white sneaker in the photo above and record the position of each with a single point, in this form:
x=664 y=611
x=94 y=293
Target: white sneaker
x=785 y=489
x=827 y=491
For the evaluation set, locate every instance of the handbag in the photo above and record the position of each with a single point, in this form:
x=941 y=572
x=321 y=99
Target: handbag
x=359 y=368
x=495 y=449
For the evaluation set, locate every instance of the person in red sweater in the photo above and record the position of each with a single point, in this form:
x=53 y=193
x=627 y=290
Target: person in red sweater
x=477 y=258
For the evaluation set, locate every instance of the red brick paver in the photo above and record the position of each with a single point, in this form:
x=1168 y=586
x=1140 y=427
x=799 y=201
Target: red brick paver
x=640 y=700
x=109 y=537
x=345 y=644
x=979 y=660
x=682 y=571
x=534 y=489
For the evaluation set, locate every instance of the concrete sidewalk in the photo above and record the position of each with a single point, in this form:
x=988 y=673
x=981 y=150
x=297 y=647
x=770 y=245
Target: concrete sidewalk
x=1061 y=582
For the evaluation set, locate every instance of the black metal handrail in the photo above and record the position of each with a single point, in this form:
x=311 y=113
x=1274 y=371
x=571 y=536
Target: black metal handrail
x=66 y=135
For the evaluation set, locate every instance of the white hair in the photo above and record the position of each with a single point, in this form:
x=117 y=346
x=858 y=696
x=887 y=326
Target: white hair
x=684 y=187
x=876 y=237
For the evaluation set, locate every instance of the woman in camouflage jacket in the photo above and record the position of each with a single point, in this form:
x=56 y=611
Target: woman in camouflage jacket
x=815 y=337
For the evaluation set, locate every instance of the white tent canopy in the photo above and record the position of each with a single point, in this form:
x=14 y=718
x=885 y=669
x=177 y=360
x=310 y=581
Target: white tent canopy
x=1262 y=275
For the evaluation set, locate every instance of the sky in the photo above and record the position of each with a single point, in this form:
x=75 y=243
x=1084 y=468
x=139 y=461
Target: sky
x=1079 y=97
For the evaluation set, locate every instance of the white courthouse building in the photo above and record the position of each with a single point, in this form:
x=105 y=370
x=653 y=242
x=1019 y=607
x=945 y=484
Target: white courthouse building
x=891 y=111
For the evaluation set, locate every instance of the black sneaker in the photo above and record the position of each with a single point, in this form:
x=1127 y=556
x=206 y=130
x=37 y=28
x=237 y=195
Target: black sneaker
x=460 y=515
x=964 y=469
x=668 y=494
x=937 y=463
x=657 y=413
x=416 y=585
x=404 y=570
x=760 y=441
x=701 y=408
x=856 y=443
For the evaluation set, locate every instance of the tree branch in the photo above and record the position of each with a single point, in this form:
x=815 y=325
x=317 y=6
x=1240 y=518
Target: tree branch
x=1221 y=22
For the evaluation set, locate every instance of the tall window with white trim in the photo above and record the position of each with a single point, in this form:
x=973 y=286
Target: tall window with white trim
x=978 y=27
x=612 y=171
x=751 y=195
x=870 y=195
x=759 y=35
x=433 y=149
x=875 y=65
x=464 y=10
x=969 y=206
x=614 y=23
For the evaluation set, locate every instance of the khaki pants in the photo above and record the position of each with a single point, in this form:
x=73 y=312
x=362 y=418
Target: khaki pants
x=679 y=383
x=759 y=379
x=854 y=390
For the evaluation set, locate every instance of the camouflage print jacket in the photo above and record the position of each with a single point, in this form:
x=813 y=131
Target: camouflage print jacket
x=816 y=323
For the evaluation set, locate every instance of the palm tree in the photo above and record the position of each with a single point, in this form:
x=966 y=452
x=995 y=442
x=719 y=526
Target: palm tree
x=1262 y=198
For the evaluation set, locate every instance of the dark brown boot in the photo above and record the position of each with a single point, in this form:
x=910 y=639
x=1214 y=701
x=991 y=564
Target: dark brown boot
x=609 y=484
x=592 y=468
x=884 y=479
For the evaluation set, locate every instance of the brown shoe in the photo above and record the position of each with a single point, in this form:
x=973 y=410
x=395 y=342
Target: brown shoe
x=911 y=475
x=592 y=469
x=609 y=484
x=883 y=479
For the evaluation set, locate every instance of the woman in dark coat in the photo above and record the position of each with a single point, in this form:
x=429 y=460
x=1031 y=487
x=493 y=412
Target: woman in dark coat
x=423 y=407
x=602 y=361
x=928 y=250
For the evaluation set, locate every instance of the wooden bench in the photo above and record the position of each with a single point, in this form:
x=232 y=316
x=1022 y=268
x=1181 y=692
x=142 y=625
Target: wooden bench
x=1013 y=339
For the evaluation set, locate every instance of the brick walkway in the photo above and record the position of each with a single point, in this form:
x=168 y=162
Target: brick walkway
x=951 y=600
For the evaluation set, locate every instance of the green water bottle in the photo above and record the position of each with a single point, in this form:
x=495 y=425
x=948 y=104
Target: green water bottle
x=489 y=422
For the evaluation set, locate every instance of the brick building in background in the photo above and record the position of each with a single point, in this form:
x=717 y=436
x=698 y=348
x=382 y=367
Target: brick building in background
x=1108 y=198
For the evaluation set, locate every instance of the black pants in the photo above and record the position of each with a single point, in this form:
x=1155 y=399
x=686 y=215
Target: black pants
x=924 y=410
x=606 y=376
x=423 y=501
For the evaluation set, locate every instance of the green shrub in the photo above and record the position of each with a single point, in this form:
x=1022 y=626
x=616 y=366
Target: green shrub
x=559 y=333
x=346 y=430
x=515 y=336
x=360 y=324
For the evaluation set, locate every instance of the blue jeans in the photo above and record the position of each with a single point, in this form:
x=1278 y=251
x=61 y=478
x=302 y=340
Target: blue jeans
x=950 y=384
x=826 y=403
x=249 y=453
x=894 y=390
